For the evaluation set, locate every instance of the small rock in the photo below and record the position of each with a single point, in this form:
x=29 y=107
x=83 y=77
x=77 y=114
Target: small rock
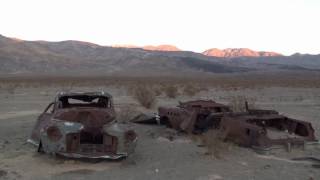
x=163 y=139
x=244 y=163
x=267 y=166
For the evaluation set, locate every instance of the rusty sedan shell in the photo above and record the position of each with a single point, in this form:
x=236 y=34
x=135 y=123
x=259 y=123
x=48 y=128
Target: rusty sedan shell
x=256 y=128
x=82 y=125
x=192 y=116
x=266 y=129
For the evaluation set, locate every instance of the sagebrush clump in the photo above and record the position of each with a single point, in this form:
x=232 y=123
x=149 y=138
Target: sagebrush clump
x=171 y=91
x=145 y=96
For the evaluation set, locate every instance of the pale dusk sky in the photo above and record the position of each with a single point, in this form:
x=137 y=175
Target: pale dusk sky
x=285 y=26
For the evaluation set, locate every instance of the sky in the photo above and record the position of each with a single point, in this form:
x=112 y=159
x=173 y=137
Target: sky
x=285 y=26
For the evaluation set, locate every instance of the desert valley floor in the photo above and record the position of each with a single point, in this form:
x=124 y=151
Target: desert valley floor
x=157 y=157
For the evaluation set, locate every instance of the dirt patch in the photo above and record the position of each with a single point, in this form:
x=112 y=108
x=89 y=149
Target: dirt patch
x=42 y=165
x=17 y=114
x=78 y=172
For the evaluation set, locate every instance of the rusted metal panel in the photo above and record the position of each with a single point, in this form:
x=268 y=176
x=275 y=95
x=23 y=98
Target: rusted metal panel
x=83 y=125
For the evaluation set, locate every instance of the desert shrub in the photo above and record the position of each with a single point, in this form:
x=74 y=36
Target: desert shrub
x=216 y=146
x=171 y=91
x=190 y=90
x=145 y=96
x=237 y=103
x=157 y=90
x=125 y=113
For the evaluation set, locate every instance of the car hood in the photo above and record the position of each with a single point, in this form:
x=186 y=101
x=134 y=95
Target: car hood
x=90 y=118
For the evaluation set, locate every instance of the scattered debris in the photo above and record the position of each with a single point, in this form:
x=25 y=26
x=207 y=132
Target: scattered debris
x=82 y=125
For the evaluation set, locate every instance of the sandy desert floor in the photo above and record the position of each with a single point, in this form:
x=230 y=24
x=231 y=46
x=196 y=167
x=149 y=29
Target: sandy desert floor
x=156 y=157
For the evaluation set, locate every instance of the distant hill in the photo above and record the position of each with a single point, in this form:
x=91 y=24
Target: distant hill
x=77 y=57
x=238 y=52
x=162 y=48
x=18 y=56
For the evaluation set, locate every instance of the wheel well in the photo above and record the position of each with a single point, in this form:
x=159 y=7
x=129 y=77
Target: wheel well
x=40 y=147
x=164 y=120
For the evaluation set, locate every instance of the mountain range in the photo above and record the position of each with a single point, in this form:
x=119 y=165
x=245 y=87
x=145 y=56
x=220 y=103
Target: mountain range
x=215 y=52
x=77 y=57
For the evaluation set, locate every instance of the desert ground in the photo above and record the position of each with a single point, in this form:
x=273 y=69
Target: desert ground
x=157 y=156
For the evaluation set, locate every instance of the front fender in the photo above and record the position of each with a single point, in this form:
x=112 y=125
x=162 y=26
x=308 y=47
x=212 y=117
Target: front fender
x=127 y=138
x=49 y=140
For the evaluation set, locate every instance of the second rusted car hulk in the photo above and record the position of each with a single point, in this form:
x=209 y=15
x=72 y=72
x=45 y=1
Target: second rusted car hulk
x=82 y=125
x=258 y=129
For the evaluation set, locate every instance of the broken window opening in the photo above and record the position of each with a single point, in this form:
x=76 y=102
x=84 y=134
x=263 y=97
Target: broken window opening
x=84 y=101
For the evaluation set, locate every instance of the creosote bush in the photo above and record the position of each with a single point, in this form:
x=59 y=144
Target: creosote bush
x=125 y=113
x=145 y=96
x=190 y=90
x=171 y=91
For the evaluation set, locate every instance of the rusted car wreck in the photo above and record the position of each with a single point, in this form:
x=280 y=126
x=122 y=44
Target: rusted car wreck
x=82 y=125
x=265 y=129
x=258 y=129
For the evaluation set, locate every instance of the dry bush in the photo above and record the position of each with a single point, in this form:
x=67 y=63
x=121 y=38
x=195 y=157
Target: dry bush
x=171 y=91
x=237 y=103
x=126 y=113
x=215 y=144
x=190 y=90
x=157 y=90
x=145 y=96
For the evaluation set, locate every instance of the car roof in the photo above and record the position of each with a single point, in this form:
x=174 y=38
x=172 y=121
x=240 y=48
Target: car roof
x=97 y=93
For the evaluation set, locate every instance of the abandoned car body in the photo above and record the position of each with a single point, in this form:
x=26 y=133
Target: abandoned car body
x=258 y=129
x=192 y=116
x=82 y=125
x=265 y=129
